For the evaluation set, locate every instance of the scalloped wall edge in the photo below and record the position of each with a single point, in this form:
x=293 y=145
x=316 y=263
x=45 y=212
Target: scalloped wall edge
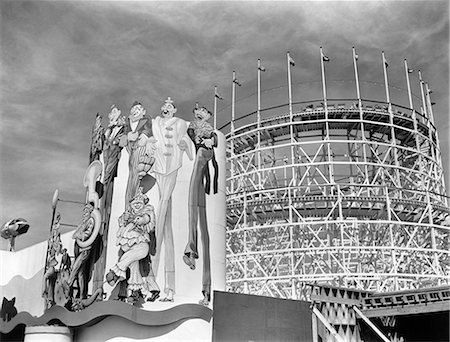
x=101 y=310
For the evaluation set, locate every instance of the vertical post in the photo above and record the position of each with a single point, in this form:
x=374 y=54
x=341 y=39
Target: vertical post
x=314 y=328
x=291 y=243
x=233 y=159
x=325 y=103
x=258 y=119
x=386 y=84
x=291 y=119
x=391 y=121
x=361 y=117
x=415 y=125
x=433 y=233
x=424 y=106
x=288 y=58
x=436 y=151
x=430 y=129
x=391 y=236
x=215 y=107
x=324 y=88
x=408 y=85
x=233 y=99
x=245 y=244
x=430 y=104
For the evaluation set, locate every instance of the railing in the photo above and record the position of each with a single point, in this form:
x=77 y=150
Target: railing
x=316 y=106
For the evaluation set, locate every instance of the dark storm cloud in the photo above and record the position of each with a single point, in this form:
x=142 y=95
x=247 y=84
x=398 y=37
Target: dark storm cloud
x=62 y=62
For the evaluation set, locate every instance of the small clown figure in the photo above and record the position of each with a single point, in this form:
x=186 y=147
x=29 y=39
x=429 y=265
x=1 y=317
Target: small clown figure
x=134 y=238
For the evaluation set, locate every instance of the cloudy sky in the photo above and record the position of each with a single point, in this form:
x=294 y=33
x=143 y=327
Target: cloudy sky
x=62 y=62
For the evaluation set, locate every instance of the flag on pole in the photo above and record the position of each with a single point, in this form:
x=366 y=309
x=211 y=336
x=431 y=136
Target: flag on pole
x=235 y=81
x=325 y=58
x=216 y=94
x=291 y=60
x=356 y=57
x=262 y=68
x=410 y=71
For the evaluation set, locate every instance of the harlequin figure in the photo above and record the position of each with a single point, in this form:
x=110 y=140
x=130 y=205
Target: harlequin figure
x=202 y=134
x=134 y=240
x=137 y=132
x=111 y=148
x=171 y=140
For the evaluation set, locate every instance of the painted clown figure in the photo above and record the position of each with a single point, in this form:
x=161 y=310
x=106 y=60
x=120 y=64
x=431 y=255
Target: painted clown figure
x=171 y=141
x=134 y=240
x=202 y=134
x=137 y=131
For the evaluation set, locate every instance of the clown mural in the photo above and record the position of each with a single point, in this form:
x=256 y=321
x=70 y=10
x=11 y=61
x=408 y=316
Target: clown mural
x=146 y=229
x=171 y=141
x=147 y=224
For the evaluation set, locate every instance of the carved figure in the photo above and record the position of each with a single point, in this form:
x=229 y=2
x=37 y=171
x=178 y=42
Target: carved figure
x=171 y=140
x=97 y=139
x=111 y=148
x=111 y=155
x=82 y=234
x=134 y=240
x=87 y=231
x=204 y=138
x=53 y=249
x=138 y=130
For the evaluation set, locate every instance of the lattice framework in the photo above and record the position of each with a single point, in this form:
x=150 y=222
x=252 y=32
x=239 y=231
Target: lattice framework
x=345 y=195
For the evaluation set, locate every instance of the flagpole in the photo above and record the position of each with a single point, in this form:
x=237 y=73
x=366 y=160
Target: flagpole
x=386 y=84
x=408 y=84
x=327 y=125
x=233 y=98
x=391 y=117
x=425 y=113
x=437 y=155
x=258 y=113
x=355 y=66
x=430 y=136
x=361 y=115
x=288 y=58
x=291 y=128
x=215 y=107
x=430 y=104
x=324 y=88
x=259 y=94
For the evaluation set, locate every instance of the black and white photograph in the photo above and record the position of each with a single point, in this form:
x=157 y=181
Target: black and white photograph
x=224 y=170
